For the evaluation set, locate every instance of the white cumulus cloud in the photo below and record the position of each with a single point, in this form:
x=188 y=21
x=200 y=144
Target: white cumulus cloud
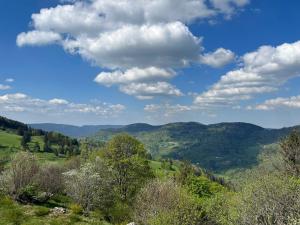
x=149 y=90
x=57 y=101
x=149 y=74
x=161 y=45
x=4 y=87
x=38 y=38
x=263 y=71
x=271 y=104
x=218 y=58
x=19 y=102
x=128 y=36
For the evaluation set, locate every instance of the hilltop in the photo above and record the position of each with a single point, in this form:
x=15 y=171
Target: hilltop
x=217 y=147
x=72 y=131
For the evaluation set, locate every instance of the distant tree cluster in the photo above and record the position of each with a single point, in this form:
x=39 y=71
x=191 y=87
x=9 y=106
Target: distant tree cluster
x=63 y=144
x=53 y=142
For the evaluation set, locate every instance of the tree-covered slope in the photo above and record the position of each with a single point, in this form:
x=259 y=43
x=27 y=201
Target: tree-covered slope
x=216 y=147
x=72 y=131
x=16 y=136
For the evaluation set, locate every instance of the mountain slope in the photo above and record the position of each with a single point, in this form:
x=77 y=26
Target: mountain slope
x=72 y=131
x=16 y=136
x=217 y=147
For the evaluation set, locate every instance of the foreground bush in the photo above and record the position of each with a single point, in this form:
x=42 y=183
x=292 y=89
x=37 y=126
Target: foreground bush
x=270 y=199
x=20 y=178
x=166 y=203
x=91 y=186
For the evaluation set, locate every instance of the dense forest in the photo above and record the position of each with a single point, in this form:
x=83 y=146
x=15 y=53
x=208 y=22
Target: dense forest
x=119 y=182
x=217 y=147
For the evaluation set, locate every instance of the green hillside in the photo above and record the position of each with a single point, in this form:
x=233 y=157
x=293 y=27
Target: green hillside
x=72 y=131
x=47 y=146
x=8 y=140
x=217 y=147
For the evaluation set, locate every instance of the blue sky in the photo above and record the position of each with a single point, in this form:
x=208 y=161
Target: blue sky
x=125 y=61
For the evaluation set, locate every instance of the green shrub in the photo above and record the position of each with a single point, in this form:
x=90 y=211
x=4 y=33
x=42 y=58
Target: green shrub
x=74 y=219
x=41 y=211
x=76 y=209
x=6 y=202
x=121 y=212
x=12 y=215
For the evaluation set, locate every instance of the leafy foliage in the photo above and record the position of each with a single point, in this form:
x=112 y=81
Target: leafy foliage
x=91 y=186
x=127 y=157
x=290 y=151
x=164 y=202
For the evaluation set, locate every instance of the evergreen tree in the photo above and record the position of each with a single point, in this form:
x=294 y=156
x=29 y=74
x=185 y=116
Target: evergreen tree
x=26 y=138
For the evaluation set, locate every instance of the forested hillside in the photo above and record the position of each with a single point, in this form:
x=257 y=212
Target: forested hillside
x=72 y=131
x=217 y=147
x=16 y=136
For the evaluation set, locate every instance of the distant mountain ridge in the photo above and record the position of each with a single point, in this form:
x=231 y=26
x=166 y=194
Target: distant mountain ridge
x=217 y=147
x=73 y=131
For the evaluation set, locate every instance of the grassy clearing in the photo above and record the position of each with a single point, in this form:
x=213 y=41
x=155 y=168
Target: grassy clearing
x=163 y=172
x=9 y=140
x=10 y=144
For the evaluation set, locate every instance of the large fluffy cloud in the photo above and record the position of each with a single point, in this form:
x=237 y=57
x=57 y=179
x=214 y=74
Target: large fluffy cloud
x=123 y=35
x=94 y=16
x=141 y=83
x=19 y=102
x=162 y=45
x=263 y=71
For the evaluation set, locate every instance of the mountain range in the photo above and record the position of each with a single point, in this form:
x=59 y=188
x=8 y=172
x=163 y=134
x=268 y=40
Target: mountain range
x=217 y=147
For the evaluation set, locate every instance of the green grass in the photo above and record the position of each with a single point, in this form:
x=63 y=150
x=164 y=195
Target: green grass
x=9 y=140
x=12 y=213
x=10 y=144
x=160 y=172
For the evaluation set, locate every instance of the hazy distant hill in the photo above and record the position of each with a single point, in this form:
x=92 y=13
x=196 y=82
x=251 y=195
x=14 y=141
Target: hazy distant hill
x=72 y=131
x=217 y=147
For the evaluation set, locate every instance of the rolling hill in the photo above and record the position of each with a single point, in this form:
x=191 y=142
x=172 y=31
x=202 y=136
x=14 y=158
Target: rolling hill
x=46 y=145
x=73 y=131
x=218 y=147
